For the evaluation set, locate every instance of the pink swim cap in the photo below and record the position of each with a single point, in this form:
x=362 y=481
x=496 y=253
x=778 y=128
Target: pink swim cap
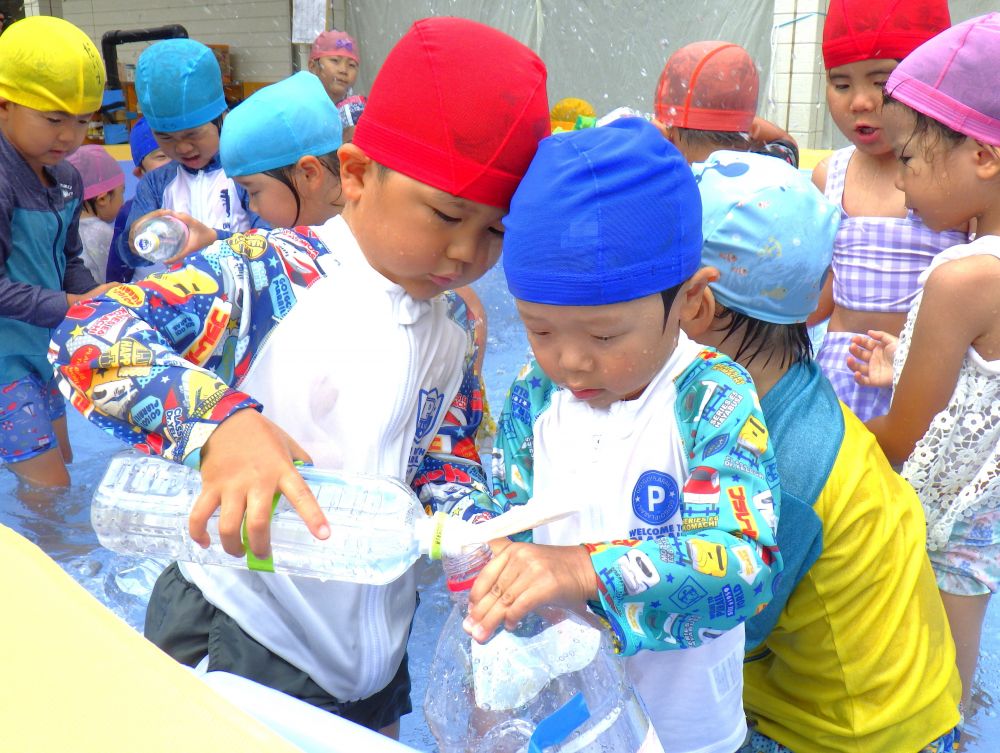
x=100 y=171
x=334 y=44
x=952 y=78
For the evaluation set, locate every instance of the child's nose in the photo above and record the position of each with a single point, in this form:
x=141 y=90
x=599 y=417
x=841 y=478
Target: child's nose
x=574 y=360
x=463 y=250
x=865 y=100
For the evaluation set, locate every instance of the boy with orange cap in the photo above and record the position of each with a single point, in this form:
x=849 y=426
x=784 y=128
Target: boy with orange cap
x=332 y=344
x=706 y=100
x=51 y=82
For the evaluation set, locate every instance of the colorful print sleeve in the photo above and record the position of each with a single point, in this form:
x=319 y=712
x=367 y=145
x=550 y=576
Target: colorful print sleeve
x=677 y=591
x=451 y=476
x=720 y=571
x=155 y=363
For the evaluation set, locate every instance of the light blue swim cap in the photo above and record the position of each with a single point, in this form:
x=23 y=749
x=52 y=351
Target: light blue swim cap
x=179 y=85
x=278 y=124
x=769 y=232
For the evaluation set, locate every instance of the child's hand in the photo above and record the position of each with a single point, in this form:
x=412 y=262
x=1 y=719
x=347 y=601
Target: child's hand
x=523 y=577
x=871 y=358
x=200 y=236
x=245 y=460
x=74 y=298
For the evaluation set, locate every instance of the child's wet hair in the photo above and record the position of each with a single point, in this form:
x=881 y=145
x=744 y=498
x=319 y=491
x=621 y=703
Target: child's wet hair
x=285 y=175
x=736 y=141
x=668 y=296
x=789 y=342
x=925 y=125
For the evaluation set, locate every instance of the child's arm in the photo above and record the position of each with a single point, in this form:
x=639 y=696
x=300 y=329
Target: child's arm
x=824 y=307
x=155 y=364
x=451 y=477
x=957 y=308
x=686 y=588
x=33 y=304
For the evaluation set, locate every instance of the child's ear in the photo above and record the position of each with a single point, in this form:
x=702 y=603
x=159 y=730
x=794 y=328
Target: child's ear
x=356 y=171
x=309 y=167
x=664 y=130
x=5 y=105
x=103 y=199
x=987 y=161
x=697 y=308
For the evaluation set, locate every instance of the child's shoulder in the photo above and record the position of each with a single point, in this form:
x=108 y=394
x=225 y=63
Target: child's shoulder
x=710 y=366
x=291 y=252
x=972 y=268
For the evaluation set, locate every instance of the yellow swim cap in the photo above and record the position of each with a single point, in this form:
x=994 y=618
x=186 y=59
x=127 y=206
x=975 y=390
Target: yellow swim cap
x=48 y=64
x=565 y=112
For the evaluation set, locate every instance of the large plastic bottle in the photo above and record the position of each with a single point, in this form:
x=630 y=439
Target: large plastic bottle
x=378 y=527
x=159 y=238
x=552 y=684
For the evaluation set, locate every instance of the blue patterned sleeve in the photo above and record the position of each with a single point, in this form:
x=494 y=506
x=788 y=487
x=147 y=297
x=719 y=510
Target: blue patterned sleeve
x=674 y=592
x=513 y=448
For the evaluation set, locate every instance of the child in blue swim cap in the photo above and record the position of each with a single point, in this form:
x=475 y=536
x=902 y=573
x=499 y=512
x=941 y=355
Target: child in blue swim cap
x=281 y=145
x=179 y=87
x=658 y=441
x=851 y=531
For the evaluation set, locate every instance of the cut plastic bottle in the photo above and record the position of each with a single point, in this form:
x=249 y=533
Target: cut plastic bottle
x=160 y=238
x=553 y=684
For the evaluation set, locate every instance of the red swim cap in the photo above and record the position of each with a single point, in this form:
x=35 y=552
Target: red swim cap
x=880 y=29
x=459 y=106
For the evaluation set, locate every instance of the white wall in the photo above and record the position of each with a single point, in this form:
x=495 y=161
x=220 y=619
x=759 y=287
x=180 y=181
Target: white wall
x=257 y=31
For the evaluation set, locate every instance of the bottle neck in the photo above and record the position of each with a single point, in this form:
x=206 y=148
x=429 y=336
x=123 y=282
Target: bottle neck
x=460 y=570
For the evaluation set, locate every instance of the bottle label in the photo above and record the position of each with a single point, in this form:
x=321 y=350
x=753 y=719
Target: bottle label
x=509 y=670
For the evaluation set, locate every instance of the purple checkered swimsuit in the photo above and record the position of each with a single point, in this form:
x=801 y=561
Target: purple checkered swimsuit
x=876 y=263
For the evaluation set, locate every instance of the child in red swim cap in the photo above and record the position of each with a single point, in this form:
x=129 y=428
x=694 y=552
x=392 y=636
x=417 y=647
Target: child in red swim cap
x=340 y=344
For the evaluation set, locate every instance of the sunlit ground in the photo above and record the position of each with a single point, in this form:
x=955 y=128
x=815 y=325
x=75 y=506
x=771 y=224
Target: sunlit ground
x=60 y=525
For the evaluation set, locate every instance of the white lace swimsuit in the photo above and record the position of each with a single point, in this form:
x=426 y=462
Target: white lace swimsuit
x=955 y=467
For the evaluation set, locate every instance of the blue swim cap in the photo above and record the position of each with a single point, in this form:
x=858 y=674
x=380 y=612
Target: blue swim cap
x=603 y=215
x=770 y=233
x=278 y=124
x=179 y=85
x=141 y=141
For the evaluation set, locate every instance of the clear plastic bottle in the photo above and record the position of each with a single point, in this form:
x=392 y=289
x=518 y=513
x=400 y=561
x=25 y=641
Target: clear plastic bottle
x=159 y=238
x=553 y=682
x=378 y=526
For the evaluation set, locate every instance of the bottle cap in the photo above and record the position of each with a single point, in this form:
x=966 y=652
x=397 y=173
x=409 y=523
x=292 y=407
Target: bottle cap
x=147 y=243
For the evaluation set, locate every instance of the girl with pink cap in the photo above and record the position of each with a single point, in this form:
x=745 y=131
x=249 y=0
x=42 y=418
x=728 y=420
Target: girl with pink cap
x=103 y=196
x=944 y=421
x=334 y=58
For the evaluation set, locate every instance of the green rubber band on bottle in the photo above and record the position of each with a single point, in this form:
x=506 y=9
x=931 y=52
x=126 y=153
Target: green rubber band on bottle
x=262 y=564
x=255 y=563
x=435 y=552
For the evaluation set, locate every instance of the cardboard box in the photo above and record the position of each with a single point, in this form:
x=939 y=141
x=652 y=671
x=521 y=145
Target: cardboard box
x=225 y=61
